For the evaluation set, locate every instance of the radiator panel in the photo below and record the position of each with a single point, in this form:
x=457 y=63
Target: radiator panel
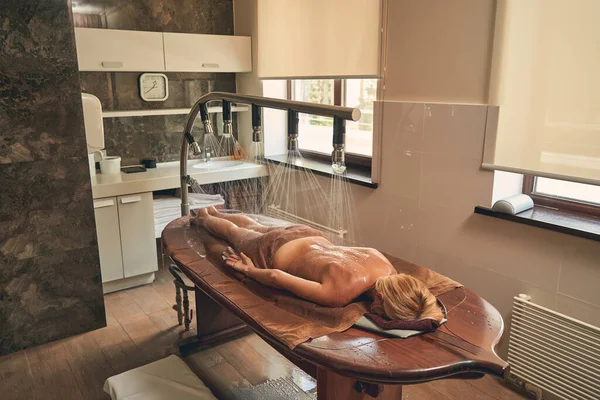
x=554 y=352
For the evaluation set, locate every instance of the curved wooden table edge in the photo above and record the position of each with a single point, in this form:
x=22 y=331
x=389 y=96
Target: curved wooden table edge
x=457 y=370
x=464 y=369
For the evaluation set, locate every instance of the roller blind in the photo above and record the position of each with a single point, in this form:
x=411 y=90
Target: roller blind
x=546 y=82
x=318 y=38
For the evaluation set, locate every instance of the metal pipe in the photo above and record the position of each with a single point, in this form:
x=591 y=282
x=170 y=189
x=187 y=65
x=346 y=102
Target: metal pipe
x=344 y=113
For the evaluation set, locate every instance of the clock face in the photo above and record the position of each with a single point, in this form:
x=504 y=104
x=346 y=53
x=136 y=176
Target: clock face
x=154 y=87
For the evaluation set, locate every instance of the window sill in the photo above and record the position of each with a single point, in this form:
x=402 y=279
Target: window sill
x=354 y=174
x=552 y=219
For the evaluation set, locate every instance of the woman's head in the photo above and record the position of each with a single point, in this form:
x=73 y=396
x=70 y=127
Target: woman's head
x=403 y=297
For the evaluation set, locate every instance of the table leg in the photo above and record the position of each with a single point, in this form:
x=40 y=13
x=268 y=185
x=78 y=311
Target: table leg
x=333 y=386
x=214 y=325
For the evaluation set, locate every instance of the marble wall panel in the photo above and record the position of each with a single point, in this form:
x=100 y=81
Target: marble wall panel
x=40 y=110
x=182 y=16
x=36 y=29
x=50 y=297
x=46 y=206
x=50 y=285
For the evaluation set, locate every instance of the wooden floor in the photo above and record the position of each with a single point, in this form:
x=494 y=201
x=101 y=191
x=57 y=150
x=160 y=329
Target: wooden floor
x=143 y=328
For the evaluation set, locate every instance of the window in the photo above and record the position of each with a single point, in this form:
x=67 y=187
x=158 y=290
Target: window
x=563 y=195
x=315 y=133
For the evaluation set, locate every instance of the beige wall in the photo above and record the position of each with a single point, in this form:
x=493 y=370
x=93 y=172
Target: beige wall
x=439 y=50
x=423 y=212
x=431 y=177
x=244 y=24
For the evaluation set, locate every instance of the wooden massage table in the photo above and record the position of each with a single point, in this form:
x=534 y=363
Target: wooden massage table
x=353 y=364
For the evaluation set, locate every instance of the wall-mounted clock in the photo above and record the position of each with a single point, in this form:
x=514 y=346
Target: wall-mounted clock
x=154 y=87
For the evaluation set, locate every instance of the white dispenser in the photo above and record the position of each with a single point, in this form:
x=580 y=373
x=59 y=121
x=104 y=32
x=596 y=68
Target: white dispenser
x=94 y=127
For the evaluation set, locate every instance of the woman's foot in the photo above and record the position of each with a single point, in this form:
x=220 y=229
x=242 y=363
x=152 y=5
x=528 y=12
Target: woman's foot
x=201 y=213
x=213 y=211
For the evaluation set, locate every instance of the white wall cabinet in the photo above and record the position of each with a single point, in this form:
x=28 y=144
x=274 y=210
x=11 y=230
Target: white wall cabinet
x=207 y=53
x=119 y=50
x=125 y=228
x=136 y=51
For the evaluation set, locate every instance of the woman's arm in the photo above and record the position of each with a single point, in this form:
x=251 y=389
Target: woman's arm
x=324 y=294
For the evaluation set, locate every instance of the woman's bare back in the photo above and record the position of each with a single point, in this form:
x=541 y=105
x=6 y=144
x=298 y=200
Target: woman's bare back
x=310 y=266
x=345 y=269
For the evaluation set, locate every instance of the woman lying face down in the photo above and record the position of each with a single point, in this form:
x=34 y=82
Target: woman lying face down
x=299 y=259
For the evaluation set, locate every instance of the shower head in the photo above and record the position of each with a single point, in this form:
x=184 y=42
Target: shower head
x=338 y=156
x=208 y=129
x=196 y=149
x=292 y=130
x=192 y=142
x=227 y=124
x=256 y=124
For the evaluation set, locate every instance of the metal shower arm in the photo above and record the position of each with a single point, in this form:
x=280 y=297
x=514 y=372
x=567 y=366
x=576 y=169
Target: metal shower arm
x=347 y=113
x=343 y=113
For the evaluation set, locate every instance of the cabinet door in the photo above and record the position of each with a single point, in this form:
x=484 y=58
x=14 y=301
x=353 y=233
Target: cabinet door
x=109 y=238
x=119 y=50
x=186 y=52
x=136 y=220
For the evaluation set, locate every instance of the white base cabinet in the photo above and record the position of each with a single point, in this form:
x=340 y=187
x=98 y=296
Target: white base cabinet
x=125 y=228
x=109 y=239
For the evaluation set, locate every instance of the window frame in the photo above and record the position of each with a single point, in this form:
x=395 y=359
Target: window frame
x=559 y=203
x=352 y=159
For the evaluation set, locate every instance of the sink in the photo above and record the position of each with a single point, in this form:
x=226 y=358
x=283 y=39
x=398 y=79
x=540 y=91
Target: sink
x=218 y=164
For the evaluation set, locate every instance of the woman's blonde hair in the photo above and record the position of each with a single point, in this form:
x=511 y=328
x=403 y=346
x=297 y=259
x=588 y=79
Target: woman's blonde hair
x=403 y=297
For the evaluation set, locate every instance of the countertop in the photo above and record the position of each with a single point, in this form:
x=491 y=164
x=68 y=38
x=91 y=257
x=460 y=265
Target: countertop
x=166 y=176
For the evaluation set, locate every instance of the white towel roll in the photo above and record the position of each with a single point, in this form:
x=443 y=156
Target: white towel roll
x=513 y=204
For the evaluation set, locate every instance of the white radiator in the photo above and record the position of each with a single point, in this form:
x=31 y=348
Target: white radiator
x=557 y=353
x=276 y=212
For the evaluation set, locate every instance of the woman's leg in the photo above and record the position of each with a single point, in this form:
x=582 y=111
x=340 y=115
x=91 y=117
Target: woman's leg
x=241 y=220
x=223 y=228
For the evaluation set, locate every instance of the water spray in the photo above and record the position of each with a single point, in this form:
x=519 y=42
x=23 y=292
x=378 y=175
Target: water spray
x=228 y=144
x=208 y=133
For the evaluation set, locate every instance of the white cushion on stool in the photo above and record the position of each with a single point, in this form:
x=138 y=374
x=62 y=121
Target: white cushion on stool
x=169 y=378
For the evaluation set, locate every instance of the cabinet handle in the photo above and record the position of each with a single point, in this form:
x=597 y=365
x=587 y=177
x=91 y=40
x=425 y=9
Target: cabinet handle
x=130 y=199
x=112 y=64
x=103 y=203
x=210 y=65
